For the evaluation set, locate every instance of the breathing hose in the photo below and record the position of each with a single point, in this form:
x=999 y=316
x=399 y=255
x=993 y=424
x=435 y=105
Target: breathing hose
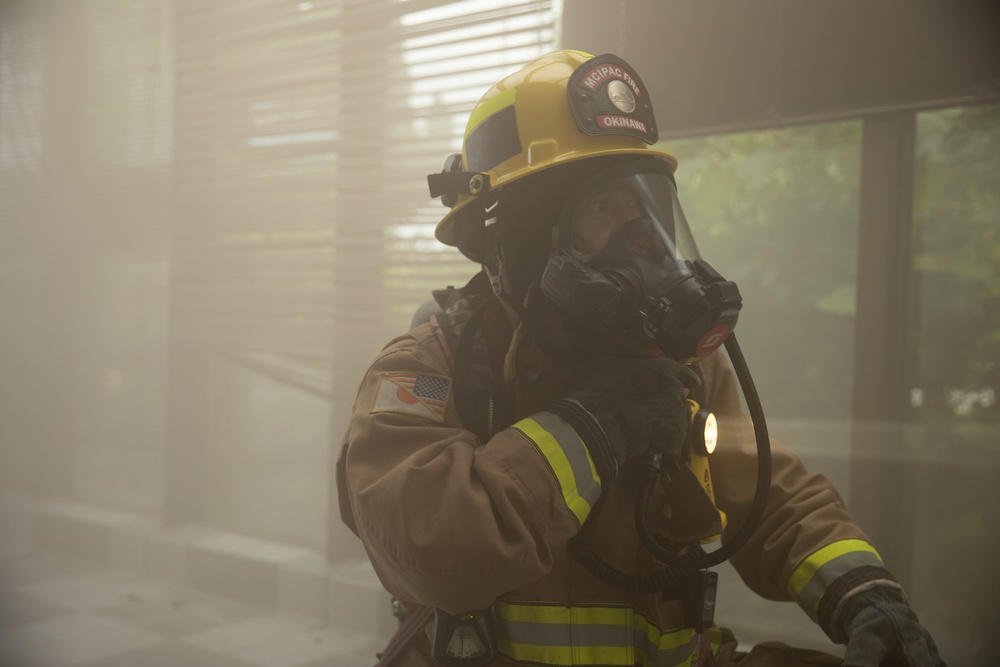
x=680 y=565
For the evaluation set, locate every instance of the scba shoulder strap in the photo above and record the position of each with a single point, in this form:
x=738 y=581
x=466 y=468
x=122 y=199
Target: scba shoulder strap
x=475 y=332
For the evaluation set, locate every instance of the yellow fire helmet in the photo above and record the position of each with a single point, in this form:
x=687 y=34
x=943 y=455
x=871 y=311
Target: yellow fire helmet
x=561 y=107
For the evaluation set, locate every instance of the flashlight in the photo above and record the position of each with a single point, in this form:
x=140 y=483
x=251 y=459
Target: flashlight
x=704 y=432
x=703 y=437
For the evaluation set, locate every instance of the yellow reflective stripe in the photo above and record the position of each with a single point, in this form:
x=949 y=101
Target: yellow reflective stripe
x=488 y=108
x=807 y=568
x=571 y=463
x=714 y=639
x=810 y=579
x=545 y=655
x=554 y=634
x=558 y=614
x=657 y=638
x=561 y=635
x=566 y=655
x=664 y=649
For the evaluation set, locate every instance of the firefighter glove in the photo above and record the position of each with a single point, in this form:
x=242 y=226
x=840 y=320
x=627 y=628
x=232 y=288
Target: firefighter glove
x=638 y=403
x=883 y=631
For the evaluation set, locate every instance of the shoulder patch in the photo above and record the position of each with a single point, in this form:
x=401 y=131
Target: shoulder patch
x=412 y=394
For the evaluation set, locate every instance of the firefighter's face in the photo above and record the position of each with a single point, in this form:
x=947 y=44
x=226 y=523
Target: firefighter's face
x=602 y=216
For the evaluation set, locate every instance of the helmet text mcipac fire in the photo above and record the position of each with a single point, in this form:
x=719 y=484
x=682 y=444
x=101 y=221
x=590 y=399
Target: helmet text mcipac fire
x=601 y=73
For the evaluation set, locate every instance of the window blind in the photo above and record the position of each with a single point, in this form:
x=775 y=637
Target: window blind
x=303 y=231
x=189 y=180
x=302 y=225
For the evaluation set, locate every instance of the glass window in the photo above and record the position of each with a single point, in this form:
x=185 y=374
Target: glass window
x=303 y=227
x=953 y=431
x=777 y=212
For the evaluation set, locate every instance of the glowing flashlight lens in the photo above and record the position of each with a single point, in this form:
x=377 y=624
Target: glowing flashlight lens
x=711 y=433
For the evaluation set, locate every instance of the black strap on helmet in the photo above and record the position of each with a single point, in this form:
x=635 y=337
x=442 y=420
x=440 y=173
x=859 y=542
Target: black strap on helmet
x=452 y=181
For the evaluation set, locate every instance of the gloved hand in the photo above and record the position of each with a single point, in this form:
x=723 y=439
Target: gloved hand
x=882 y=630
x=638 y=403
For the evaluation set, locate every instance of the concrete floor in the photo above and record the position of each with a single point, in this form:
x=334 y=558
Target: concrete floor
x=84 y=586
x=57 y=611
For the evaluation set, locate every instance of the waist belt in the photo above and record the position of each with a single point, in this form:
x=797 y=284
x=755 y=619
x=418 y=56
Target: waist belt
x=552 y=634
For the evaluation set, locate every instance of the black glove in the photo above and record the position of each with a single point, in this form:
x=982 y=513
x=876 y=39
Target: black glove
x=882 y=630
x=638 y=403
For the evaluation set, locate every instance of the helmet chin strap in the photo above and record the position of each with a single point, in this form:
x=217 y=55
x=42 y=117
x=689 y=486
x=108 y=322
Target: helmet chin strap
x=494 y=251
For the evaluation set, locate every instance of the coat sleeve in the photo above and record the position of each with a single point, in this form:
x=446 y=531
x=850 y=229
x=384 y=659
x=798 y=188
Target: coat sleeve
x=807 y=548
x=448 y=521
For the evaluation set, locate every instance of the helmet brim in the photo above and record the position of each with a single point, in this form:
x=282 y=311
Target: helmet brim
x=454 y=228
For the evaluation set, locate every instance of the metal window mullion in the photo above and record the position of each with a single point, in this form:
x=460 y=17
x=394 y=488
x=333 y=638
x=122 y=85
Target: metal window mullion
x=882 y=486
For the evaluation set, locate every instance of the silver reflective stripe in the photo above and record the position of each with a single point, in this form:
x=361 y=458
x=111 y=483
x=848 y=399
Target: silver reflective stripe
x=576 y=453
x=589 y=635
x=815 y=574
x=568 y=458
x=561 y=634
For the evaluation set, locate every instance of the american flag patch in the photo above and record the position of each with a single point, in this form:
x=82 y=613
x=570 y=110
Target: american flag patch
x=412 y=394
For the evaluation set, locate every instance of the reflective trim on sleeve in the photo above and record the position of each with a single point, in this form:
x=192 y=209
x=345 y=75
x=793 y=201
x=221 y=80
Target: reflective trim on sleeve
x=814 y=575
x=568 y=458
x=553 y=634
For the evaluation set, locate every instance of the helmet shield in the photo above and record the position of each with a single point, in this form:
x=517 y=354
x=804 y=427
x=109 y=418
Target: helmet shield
x=625 y=264
x=624 y=252
x=624 y=216
x=628 y=219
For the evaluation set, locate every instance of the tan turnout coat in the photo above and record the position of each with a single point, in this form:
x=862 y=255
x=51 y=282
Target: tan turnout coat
x=455 y=523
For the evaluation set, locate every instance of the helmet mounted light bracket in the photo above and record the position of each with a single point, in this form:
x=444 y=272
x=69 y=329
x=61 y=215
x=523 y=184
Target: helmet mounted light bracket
x=452 y=182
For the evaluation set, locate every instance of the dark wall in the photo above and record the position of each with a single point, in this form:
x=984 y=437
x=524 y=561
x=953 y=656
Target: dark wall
x=716 y=65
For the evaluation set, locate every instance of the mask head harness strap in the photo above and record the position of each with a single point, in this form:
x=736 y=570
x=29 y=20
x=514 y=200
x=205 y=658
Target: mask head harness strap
x=494 y=254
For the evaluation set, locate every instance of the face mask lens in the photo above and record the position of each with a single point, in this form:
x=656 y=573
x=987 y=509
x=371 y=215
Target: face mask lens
x=601 y=216
x=640 y=207
x=623 y=254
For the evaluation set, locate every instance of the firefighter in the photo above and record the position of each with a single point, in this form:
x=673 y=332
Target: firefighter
x=493 y=463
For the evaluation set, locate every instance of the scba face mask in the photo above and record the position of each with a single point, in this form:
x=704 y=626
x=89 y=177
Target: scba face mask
x=625 y=264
